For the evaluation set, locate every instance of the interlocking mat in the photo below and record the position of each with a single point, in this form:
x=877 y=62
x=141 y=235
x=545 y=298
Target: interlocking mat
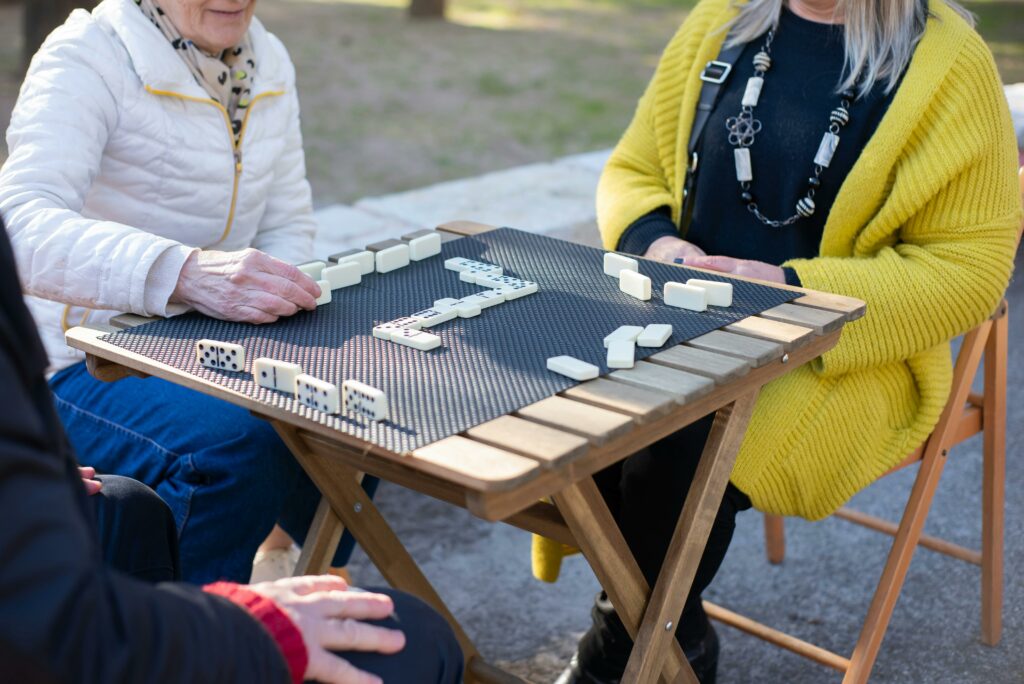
x=487 y=366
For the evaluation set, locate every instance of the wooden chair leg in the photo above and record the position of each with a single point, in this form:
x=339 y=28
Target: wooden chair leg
x=775 y=538
x=321 y=541
x=994 y=481
x=884 y=601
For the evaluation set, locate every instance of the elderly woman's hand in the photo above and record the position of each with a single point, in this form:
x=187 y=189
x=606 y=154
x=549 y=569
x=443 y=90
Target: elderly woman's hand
x=740 y=267
x=331 y=618
x=247 y=286
x=670 y=248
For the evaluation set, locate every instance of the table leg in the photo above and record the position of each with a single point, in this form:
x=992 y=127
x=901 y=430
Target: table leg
x=604 y=547
x=321 y=541
x=677 y=573
x=339 y=485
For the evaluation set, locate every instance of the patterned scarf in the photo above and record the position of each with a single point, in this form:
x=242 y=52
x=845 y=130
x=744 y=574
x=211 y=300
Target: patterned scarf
x=227 y=78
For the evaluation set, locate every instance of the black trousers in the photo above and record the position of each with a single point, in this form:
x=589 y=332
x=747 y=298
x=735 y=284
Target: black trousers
x=139 y=537
x=645 y=493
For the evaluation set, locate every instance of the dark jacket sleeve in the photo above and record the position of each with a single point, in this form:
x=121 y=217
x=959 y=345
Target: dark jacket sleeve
x=59 y=606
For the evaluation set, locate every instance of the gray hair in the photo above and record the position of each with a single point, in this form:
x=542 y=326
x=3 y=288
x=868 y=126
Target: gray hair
x=880 y=35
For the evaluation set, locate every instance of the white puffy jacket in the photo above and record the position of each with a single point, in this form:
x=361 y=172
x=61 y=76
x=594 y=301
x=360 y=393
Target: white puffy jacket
x=121 y=165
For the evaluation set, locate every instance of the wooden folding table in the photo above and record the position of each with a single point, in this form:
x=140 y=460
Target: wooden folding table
x=501 y=470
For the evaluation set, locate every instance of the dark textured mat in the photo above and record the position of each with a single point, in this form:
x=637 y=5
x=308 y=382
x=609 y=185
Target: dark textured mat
x=486 y=367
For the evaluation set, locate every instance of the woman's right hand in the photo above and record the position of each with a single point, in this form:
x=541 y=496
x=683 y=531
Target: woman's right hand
x=330 y=617
x=247 y=286
x=670 y=248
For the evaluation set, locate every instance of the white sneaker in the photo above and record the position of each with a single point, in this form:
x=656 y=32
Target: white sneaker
x=275 y=564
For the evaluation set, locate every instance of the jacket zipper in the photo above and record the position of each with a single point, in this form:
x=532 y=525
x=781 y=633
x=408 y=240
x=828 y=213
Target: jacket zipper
x=235 y=144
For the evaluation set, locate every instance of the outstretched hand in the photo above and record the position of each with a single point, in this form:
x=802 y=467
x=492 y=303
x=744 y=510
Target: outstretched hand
x=330 y=616
x=669 y=248
x=247 y=286
x=740 y=267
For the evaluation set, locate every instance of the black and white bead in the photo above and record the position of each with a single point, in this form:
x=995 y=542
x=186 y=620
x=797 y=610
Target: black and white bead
x=762 y=61
x=839 y=116
x=805 y=207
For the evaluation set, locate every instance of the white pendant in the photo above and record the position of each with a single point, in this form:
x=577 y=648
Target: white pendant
x=827 y=148
x=744 y=172
x=753 y=91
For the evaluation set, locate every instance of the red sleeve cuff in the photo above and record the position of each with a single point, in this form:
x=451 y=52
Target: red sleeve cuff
x=274 y=620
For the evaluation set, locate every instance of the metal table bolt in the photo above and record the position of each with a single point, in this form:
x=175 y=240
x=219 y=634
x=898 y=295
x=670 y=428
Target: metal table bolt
x=785 y=358
x=358 y=507
x=668 y=625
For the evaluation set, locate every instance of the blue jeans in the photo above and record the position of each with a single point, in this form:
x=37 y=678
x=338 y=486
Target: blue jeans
x=225 y=474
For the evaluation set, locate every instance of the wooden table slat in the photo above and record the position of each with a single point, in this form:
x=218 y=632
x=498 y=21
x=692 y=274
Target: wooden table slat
x=642 y=404
x=129 y=320
x=785 y=334
x=719 y=367
x=820 y=320
x=596 y=424
x=476 y=464
x=758 y=352
x=850 y=307
x=540 y=442
x=680 y=384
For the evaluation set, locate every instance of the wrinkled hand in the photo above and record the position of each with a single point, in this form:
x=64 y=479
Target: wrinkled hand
x=248 y=286
x=329 y=617
x=740 y=267
x=92 y=485
x=670 y=248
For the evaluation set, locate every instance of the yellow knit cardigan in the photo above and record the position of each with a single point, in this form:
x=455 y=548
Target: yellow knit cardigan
x=923 y=230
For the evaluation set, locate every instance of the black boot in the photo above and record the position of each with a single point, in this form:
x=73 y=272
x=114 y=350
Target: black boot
x=613 y=643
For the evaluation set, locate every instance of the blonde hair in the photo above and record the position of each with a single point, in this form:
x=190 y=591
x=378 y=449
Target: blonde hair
x=879 y=37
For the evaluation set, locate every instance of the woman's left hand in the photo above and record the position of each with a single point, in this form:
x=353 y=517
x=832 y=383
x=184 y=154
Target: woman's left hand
x=740 y=267
x=88 y=475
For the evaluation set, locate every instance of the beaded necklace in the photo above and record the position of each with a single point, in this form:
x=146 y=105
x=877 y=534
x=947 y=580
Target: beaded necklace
x=743 y=129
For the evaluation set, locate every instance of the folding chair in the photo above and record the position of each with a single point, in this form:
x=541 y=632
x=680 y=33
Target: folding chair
x=966 y=414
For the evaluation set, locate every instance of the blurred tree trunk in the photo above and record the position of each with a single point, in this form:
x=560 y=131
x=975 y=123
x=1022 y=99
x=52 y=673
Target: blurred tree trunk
x=41 y=17
x=426 y=9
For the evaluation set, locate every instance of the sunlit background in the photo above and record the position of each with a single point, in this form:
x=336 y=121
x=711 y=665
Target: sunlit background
x=391 y=103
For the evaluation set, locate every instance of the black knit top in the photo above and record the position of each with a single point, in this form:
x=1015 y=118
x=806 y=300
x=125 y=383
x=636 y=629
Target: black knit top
x=798 y=94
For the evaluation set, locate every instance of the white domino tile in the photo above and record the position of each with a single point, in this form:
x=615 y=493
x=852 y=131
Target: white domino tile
x=275 y=375
x=428 y=318
x=614 y=264
x=573 y=368
x=221 y=355
x=313 y=269
x=363 y=257
x=325 y=292
x=425 y=246
x=467 y=309
x=417 y=339
x=317 y=394
x=473 y=276
x=512 y=288
x=688 y=297
x=392 y=258
x=719 y=294
x=621 y=354
x=460 y=264
x=485 y=299
x=364 y=400
x=654 y=335
x=623 y=332
x=635 y=284
x=343 y=275
x=384 y=331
